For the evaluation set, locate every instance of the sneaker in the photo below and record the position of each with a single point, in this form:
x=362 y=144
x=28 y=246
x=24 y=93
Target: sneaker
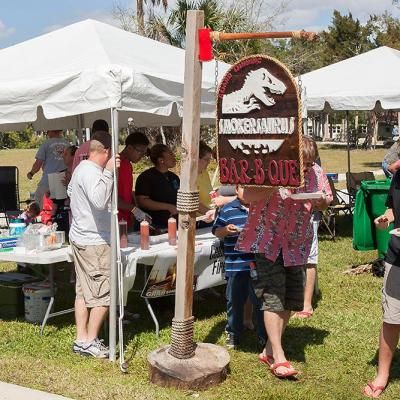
x=77 y=346
x=95 y=349
x=230 y=341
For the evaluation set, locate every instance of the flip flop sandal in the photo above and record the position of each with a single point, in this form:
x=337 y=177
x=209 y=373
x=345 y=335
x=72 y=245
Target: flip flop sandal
x=291 y=371
x=268 y=359
x=374 y=389
x=303 y=314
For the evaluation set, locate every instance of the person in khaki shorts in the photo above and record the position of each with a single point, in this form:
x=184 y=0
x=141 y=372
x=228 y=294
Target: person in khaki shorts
x=390 y=331
x=90 y=192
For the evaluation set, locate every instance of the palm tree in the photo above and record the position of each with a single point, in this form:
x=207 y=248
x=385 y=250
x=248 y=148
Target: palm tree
x=233 y=18
x=140 y=12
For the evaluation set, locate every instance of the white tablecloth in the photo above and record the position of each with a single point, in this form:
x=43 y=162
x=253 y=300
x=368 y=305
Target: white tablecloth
x=208 y=264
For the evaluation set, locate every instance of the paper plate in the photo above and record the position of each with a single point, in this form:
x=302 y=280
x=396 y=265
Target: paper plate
x=306 y=196
x=395 y=231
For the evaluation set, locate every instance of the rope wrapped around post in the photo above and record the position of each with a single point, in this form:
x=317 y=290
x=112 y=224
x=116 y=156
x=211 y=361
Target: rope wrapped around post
x=187 y=202
x=182 y=345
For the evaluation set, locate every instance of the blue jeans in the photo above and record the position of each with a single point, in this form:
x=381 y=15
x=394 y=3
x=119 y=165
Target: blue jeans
x=238 y=289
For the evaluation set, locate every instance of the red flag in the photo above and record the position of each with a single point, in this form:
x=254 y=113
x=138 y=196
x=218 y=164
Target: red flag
x=205 y=45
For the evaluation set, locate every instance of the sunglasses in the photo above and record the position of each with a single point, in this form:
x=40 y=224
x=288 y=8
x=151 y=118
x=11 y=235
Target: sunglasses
x=139 y=150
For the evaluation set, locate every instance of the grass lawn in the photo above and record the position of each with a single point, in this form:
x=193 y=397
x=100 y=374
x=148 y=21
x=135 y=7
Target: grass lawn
x=335 y=349
x=335 y=159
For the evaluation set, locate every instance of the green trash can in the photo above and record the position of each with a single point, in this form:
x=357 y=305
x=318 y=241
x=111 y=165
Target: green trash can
x=370 y=203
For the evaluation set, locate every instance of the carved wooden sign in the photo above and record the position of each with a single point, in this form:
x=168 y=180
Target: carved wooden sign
x=259 y=125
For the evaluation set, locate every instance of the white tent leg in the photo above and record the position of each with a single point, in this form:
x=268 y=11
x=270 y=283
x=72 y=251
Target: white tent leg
x=115 y=251
x=79 y=130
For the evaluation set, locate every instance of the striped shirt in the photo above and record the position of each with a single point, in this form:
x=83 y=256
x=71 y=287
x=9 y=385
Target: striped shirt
x=233 y=213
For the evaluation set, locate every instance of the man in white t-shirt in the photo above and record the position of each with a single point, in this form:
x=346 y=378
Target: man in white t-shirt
x=90 y=192
x=49 y=157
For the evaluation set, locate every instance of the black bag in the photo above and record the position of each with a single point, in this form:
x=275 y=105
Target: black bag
x=378 y=268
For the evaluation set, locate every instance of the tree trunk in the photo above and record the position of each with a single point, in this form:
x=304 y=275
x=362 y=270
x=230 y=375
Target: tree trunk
x=370 y=130
x=140 y=17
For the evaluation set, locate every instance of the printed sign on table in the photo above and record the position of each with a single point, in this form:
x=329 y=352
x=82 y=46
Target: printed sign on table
x=209 y=271
x=259 y=125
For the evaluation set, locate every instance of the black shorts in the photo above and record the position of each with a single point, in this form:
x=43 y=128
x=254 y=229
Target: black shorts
x=280 y=288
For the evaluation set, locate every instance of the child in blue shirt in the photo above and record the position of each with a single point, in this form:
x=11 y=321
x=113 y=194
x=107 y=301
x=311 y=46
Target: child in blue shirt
x=227 y=226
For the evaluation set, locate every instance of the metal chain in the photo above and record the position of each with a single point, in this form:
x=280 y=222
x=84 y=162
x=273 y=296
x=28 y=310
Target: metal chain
x=300 y=84
x=216 y=81
x=216 y=98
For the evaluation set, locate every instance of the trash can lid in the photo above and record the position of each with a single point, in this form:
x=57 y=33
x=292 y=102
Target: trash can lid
x=382 y=184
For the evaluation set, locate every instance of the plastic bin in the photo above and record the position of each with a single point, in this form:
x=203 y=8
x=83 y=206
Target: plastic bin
x=11 y=296
x=370 y=203
x=37 y=298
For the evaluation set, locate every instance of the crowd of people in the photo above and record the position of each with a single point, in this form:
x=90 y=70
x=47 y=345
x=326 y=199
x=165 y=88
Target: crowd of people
x=270 y=239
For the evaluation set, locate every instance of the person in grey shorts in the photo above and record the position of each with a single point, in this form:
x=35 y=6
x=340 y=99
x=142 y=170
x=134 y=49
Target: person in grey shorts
x=390 y=330
x=90 y=192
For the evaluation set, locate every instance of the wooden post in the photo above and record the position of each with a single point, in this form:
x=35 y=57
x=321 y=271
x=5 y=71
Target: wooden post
x=222 y=36
x=189 y=166
x=186 y=364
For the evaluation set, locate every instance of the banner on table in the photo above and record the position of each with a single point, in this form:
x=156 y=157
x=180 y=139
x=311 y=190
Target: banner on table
x=259 y=125
x=209 y=271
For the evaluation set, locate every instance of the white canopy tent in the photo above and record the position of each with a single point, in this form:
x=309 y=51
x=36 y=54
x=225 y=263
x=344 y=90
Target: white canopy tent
x=89 y=70
x=365 y=82
x=72 y=76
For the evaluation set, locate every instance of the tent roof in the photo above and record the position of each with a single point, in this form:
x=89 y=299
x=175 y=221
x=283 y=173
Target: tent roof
x=364 y=82
x=88 y=67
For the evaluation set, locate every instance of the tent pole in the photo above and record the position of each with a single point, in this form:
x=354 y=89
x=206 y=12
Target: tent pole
x=348 y=142
x=115 y=250
x=80 y=126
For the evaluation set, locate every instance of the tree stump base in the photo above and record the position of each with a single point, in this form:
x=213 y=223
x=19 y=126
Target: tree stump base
x=207 y=368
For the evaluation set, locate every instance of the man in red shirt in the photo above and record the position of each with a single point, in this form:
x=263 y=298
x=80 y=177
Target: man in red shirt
x=83 y=151
x=135 y=148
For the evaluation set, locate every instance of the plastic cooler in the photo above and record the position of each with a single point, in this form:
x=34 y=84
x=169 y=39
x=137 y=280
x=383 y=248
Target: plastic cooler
x=370 y=203
x=333 y=175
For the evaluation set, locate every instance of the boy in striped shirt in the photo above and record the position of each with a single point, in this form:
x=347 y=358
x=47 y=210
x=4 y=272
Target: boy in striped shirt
x=227 y=226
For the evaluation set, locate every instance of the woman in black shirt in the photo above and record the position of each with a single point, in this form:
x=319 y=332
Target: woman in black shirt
x=156 y=188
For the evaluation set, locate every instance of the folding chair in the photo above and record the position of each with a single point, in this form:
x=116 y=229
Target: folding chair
x=353 y=181
x=338 y=205
x=9 y=192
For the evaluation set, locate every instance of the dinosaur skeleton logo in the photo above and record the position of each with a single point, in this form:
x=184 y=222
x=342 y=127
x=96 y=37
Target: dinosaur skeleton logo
x=255 y=85
x=256 y=147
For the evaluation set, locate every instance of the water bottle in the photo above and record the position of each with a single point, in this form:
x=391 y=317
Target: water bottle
x=123 y=233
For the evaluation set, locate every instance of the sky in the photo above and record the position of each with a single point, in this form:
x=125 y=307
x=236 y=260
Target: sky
x=21 y=20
